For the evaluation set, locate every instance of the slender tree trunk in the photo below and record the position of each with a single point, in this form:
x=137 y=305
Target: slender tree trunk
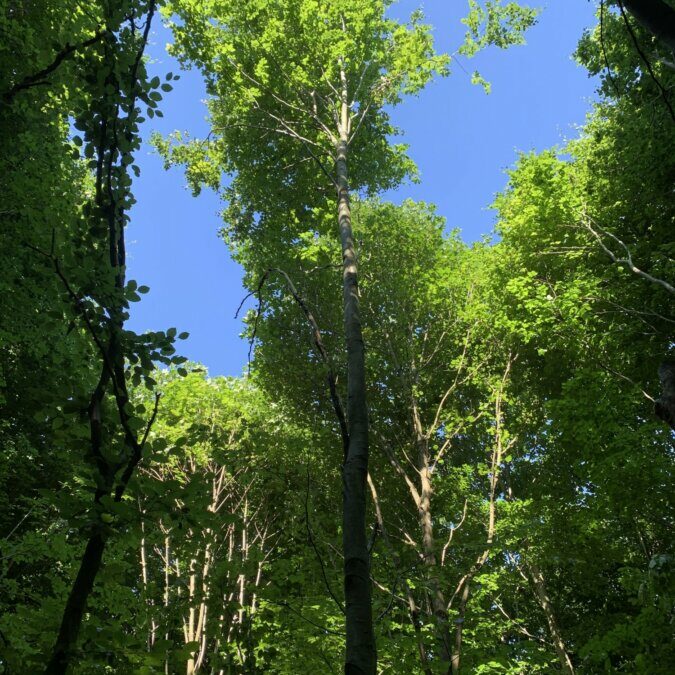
x=167 y=571
x=244 y=558
x=152 y=633
x=436 y=597
x=545 y=604
x=463 y=601
x=413 y=610
x=438 y=604
x=77 y=600
x=73 y=613
x=190 y=632
x=202 y=635
x=198 y=612
x=112 y=211
x=361 y=655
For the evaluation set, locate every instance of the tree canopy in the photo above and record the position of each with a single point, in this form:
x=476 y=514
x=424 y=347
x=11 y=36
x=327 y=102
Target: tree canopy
x=442 y=456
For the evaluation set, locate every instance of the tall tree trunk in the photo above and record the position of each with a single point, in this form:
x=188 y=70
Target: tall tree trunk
x=361 y=655
x=438 y=604
x=545 y=604
x=461 y=614
x=62 y=653
x=110 y=200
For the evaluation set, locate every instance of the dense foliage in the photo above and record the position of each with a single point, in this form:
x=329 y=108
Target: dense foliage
x=515 y=477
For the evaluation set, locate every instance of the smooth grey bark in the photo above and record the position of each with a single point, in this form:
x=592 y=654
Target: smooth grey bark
x=438 y=604
x=361 y=654
x=413 y=609
x=656 y=16
x=545 y=604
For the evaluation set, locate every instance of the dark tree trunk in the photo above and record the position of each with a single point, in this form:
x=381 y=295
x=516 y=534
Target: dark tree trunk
x=361 y=655
x=665 y=405
x=109 y=199
x=77 y=601
x=656 y=16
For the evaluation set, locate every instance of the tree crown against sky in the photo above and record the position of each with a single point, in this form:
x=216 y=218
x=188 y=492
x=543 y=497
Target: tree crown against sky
x=273 y=74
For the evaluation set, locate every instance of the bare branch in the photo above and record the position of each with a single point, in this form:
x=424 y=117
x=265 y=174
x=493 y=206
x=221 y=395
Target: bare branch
x=303 y=110
x=338 y=406
x=402 y=472
x=518 y=626
x=38 y=78
x=439 y=410
x=598 y=233
x=316 y=550
x=453 y=529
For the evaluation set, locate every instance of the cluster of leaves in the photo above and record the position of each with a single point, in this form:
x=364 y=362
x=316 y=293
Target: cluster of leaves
x=72 y=83
x=494 y=25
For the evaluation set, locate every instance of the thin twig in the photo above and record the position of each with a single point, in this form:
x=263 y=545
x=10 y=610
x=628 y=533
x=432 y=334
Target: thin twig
x=338 y=406
x=316 y=550
x=664 y=93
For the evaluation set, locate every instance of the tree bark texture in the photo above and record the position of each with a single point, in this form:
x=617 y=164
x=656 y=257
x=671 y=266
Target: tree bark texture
x=438 y=604
x=361 y=656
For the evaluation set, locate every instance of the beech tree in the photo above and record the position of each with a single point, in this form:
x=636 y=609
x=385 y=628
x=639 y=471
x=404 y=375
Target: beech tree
x=298 y=119
x=95 y=76
x=518 y=511
x=311 y=80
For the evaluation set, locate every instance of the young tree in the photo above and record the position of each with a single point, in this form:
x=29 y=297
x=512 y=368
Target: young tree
x=299 y=90
x=210 y=521
x=96 y=78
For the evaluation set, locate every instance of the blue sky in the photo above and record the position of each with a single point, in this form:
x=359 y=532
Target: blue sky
x=461 y=139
